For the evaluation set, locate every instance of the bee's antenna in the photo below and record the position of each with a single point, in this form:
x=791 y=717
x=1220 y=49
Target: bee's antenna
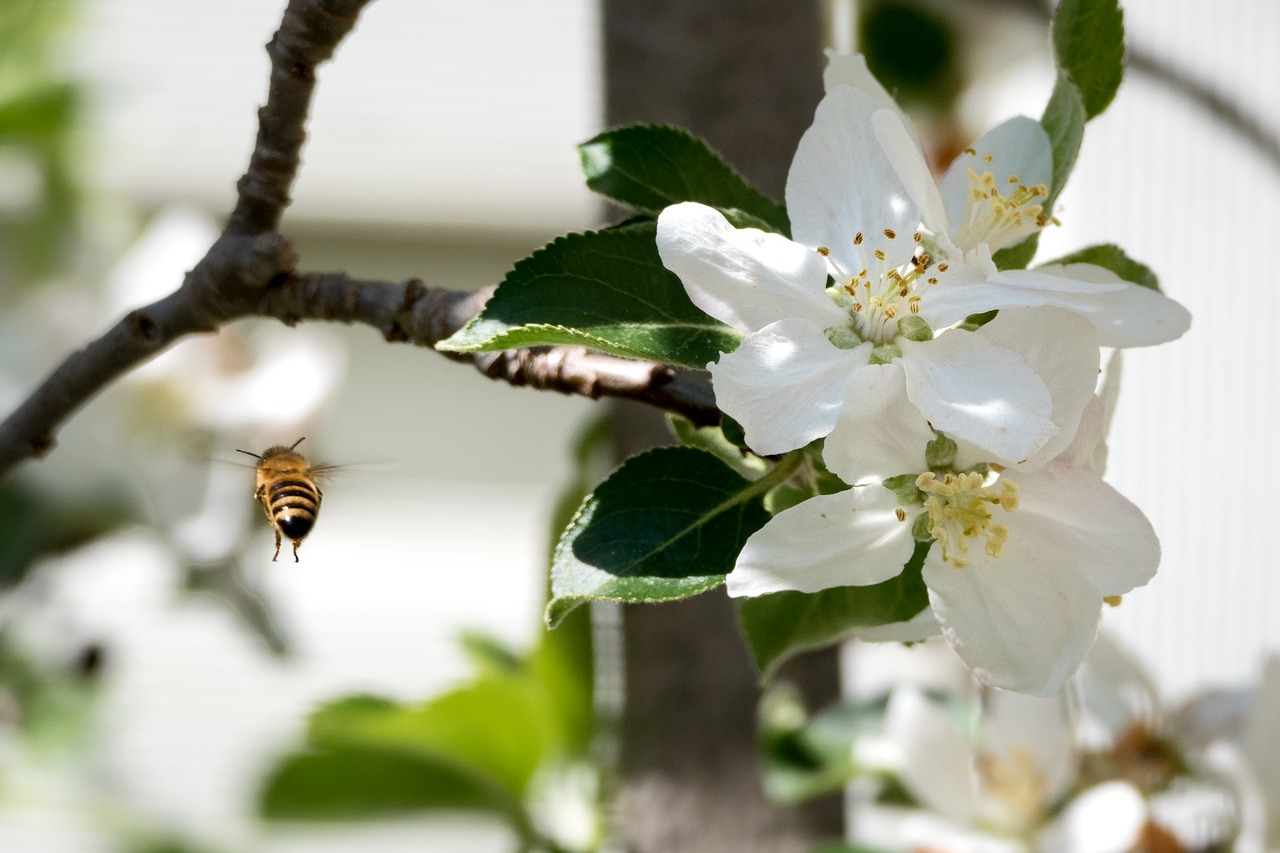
x=296 y=443
x=247 y=453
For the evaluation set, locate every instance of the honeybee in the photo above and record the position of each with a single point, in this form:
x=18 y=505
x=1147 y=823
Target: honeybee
x=286 y=488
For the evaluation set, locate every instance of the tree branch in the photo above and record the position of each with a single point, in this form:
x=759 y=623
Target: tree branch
x=414 y=313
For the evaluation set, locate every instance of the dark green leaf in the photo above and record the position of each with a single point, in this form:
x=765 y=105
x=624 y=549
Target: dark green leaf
x=1088 y=40
x=354 y=781
x=648 y=167
x=36 y=525
x=1112 y=257
x=668 y=524
x=928 y=75
x=607 y=290
x=782 y=624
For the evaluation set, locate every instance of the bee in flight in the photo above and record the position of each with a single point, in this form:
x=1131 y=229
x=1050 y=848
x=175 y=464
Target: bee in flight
x=286 y=487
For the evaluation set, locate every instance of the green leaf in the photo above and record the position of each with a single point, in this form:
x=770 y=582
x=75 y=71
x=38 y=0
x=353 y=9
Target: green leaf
x=783 y=624
x=499 y=727
x=1112 y=257
x=1063 y=120
x=712 y=440
x=1088 y=41
x=668 y=524
x=648 y=167
x=353 y=781
x=607 y=290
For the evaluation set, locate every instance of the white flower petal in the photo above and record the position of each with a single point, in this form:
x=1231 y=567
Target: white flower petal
x=908 y=161
x=1088 y=450
x=743 y=277
x=1017 y=726
x=937 y=760
x=860 y=449
x=1102 y=819
x=920 y=627
x=852 y=538
x=785 y=384
x=850 y=69
x=1127 y=315
x=974 y=391
x=1062 y=348
x=1018 y=147
x=1022 y=621
x=842 y=184
x=1073 y=514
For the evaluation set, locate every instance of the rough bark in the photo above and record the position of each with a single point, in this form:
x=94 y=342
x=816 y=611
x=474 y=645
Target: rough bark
x=745 y=76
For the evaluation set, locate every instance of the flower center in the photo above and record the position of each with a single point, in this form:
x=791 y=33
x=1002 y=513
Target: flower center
x=959 y=508
x=997 y=219
x=884 y=301
x=1014 y=788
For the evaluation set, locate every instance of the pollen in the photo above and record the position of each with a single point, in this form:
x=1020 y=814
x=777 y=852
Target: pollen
x=959 y=508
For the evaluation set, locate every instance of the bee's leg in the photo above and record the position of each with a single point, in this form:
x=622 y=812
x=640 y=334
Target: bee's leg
x=295 y=551
x=277 y=553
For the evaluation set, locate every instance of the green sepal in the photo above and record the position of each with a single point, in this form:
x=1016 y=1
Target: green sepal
x=913 y=327
x=648 y=167
x=904 y=489
x=668 y=524
x=783 y=624
x=885 y=354
x=1112 y=257
x=607 y=290
x=940 y=453
x=920 y=529
x=1088 y=43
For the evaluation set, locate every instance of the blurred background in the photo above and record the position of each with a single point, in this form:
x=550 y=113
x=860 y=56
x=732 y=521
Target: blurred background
x=172 y=662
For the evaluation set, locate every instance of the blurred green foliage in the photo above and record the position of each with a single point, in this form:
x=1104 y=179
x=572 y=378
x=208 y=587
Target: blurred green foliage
x=40 y=108
x=913 y=51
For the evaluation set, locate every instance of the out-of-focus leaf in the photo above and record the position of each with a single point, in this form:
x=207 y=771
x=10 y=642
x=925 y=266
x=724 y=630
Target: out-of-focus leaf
x=36 y=525
x=357 y=781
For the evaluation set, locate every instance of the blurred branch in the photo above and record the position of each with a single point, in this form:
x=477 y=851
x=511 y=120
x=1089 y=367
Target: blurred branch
x=1231 y=113
x=249 y=272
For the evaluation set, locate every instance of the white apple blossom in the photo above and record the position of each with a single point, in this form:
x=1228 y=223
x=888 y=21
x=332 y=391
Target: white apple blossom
x=1021 y=556
x=995 y=787
x=866 y=215
x=990 y=198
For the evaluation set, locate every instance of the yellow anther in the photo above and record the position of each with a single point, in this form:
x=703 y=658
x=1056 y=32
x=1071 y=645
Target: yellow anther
x=879 y=254
x=824 y=251
x=857 y=239
x=1112 y=600
x=900 y=513
x=890 y=233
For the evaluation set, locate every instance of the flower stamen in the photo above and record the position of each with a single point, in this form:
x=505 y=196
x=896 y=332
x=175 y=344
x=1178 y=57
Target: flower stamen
x=959 y=508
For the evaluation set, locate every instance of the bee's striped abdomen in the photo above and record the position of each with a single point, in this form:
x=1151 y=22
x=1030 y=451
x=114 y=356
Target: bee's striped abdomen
x=294 y=503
